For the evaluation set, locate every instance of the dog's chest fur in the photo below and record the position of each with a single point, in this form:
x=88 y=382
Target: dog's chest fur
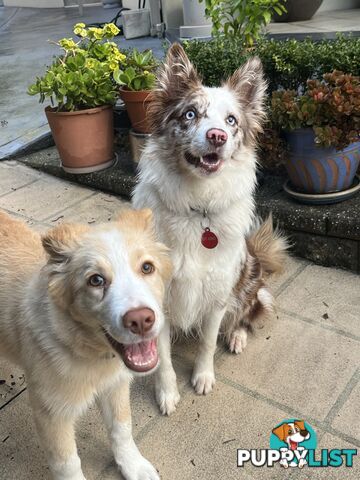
x=203 y=279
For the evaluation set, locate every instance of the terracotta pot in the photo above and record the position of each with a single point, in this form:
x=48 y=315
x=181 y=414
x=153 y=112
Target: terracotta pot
x=136 y=105
x=84 y=138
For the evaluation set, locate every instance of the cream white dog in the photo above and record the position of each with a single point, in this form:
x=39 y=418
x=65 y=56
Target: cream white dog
x=197 y=174
x=80 y=312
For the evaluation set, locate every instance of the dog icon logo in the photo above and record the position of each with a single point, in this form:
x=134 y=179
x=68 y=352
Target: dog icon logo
x=293 y=438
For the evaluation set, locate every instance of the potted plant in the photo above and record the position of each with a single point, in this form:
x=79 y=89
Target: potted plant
x=322 y=128
x=136 y=78
x=242 y=19
x=81 y=88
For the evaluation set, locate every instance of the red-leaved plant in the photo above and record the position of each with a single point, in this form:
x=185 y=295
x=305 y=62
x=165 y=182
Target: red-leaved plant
x=330 y=106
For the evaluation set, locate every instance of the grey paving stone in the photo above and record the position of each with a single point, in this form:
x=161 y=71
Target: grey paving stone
x=300 y=365
x=44 y=198
x=200 y=440
x=329 y=296
x=292 y=267
x=21 y=458
x=98 y=208
x=14 y=176
x=12 y=381
x=347 y=419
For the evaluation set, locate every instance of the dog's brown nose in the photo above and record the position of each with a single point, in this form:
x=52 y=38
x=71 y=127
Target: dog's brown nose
x=216 y=136
x=139 y=320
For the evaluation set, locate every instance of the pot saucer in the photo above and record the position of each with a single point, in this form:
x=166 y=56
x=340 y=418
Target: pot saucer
x=93 y=169
x=322 y=198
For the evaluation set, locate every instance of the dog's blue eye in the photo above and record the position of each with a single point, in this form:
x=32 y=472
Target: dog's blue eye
x=231 y=120
x=190 y=115
x=97 y=281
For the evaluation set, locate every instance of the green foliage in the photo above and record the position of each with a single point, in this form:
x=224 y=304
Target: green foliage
x=287 y=64
x=290 y=63
x=243 y=19
x=82 y=77
x=216 y=59
x=137 y=72
x=331 y=107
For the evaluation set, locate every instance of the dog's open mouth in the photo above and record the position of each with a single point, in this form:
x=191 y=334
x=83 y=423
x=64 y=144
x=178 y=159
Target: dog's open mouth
x=139 y=357
x=208 y=163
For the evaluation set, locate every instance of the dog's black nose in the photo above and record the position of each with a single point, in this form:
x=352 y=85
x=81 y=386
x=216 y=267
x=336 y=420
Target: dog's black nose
x=216 y=136
x=304 y=433
x=139 y=321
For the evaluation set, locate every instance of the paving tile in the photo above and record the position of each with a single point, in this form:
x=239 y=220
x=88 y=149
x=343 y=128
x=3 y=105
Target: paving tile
x=327 y=295
x=347 y=419
x=200 y=440
x=12 y=381
x=98 y=208
x=21 y=457
x=43 y=198
x=21 y=447
x=295 y=363
x=14 y=176
x=292 y=266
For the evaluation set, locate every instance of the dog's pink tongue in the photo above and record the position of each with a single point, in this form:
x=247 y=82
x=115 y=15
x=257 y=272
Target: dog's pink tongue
x=141 y=357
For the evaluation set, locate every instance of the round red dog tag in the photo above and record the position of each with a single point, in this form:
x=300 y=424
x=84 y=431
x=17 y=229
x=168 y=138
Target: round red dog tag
x=209 y=239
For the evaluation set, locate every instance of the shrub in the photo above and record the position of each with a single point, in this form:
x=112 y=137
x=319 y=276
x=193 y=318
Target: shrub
x=331 y=107
x=242 y=18
x=82 y=76
x=287 y=64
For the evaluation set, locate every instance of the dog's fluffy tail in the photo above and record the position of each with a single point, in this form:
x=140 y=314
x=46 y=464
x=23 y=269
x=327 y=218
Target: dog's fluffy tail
x=269 y=246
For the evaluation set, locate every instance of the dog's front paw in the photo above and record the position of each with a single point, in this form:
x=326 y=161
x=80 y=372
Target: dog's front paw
x=136 y=467
x=167 y=399
x=238 y=340
x=203 y=382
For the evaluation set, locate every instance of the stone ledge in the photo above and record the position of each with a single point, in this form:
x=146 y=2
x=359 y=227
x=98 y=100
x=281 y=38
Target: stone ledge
x=327 y=235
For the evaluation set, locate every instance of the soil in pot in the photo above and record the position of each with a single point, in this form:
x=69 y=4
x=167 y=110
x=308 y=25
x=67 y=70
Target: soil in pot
x=84 y=138
x=313 y=169
x=136 y=105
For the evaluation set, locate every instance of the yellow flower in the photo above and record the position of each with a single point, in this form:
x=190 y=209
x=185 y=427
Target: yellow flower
x=67 y=43
x=80 y=25
x=146 y=72
x=111 y=29
x=113 y=65
x=95 y=32
x=82 y=32
x=90 y=62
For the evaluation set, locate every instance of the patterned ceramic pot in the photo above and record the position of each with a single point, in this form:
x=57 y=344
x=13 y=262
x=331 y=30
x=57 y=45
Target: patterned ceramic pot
x=313 y=169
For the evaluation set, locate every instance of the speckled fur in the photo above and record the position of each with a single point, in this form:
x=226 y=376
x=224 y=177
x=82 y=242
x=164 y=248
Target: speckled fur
x=203 y=286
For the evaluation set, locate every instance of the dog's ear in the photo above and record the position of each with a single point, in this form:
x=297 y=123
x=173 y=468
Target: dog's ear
x=281 y=431
x=59 y=242
x=142 y=219
x=175 y=78
x=178 y=73
x=249 y=85
x=300 y=424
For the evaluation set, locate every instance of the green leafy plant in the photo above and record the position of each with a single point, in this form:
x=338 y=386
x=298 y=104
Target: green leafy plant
x=287 y=64
x=242 y=18
x=82 y=76
x=137 y=73
x=331 y=107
